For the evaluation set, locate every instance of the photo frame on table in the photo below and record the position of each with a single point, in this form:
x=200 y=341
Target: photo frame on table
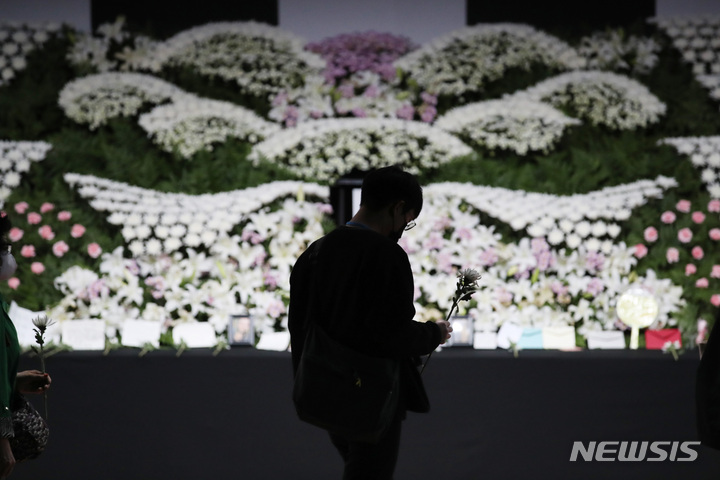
x=241 y=330
x=463 y=331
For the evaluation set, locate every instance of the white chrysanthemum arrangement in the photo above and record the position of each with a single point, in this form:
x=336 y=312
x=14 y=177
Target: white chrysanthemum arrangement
x=112 y=48
x=156 y=223
x=248 y=271
x=260 y=59
x=516 y=124
x=192 y=124
x=15 y=160
x=588 y=221
x=530 y=282
x=613 y=50
x=95 y=99
x=601 y=98
x=697 y=38
x=17 y=40
x=467 y=59
x=704 y=153
x=325 y=150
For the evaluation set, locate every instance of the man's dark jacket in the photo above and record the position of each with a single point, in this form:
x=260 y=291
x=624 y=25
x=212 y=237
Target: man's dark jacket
x=360 y=290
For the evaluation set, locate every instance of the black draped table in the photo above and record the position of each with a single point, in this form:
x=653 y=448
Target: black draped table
x=199 y=416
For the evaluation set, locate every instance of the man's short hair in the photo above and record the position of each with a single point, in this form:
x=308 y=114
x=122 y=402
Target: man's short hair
x=388 y=185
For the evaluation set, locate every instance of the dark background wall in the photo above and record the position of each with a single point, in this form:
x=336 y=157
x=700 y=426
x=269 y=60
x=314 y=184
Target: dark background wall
x=579 y=17
x=164 y=19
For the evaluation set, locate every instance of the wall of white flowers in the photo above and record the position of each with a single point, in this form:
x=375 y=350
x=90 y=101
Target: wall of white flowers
x=198 y=259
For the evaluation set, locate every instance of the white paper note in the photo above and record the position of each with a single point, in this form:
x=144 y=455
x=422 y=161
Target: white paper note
x=509 y=333
x=137 y=333
x=195 y=335
x=83 y=334
x=276 y=341
x=485 y=341
x=606 y=340
x=561 y=337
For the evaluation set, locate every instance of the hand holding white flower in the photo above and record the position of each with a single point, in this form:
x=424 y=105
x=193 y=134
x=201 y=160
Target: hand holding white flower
x=465 y=288
x=41 y=324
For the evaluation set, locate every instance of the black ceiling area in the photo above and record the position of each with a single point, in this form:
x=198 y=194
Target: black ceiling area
x=561 y=15
x=161 y=19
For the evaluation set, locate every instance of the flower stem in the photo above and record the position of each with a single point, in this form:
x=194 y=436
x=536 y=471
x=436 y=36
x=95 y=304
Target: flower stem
x=42 y=368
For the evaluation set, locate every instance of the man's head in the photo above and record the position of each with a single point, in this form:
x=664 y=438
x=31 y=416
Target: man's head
x=393 y=194
x=387 y=186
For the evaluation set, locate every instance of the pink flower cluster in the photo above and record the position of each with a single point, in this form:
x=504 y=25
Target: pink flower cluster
x=40 y=221
x=686 y=236
x=543 y=256
x=349 y=53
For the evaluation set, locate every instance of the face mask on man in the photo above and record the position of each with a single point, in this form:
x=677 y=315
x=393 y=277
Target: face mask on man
x=8 y=266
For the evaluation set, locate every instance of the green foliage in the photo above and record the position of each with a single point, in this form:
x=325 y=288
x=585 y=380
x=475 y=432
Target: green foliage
x=28 y=105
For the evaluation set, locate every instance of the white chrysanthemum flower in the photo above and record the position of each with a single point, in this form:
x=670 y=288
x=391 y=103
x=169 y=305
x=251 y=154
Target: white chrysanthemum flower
x=467 y=59
x=95 y=99
x=176 y=226
x=15 y=159
x=602 y=98
x=516 y=124
x=192 y=124
x=704 y=153
x=396 y=141
x=259 y=58
x=612 y=50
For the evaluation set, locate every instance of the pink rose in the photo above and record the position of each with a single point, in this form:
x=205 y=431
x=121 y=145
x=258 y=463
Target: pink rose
x=14 y=283
x=34 y=218
x=77 y=231
x=64 y=216
x=672 y=255
x=683 y=206
x=685 y=235
x=651 y=234
x=46 y=232
x=714 y=206
x=715 y=271
x=60 y=248
x=27 y=251
x=94 y=250
x=668 y=217
x=702 y=283
x=690 y=269
x=21 y=207
x=15 y=234
x=697 y=253
x=46 y=207
x=698 y=217
x=37 y=268
x=714 y=234
x=715 y=300
x=640 y=250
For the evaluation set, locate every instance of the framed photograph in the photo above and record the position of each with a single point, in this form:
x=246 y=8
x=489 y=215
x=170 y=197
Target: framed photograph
x=463 y=331
x=241 y=330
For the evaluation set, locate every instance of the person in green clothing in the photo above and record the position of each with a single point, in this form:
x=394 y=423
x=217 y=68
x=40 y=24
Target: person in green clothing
x=11 y=381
